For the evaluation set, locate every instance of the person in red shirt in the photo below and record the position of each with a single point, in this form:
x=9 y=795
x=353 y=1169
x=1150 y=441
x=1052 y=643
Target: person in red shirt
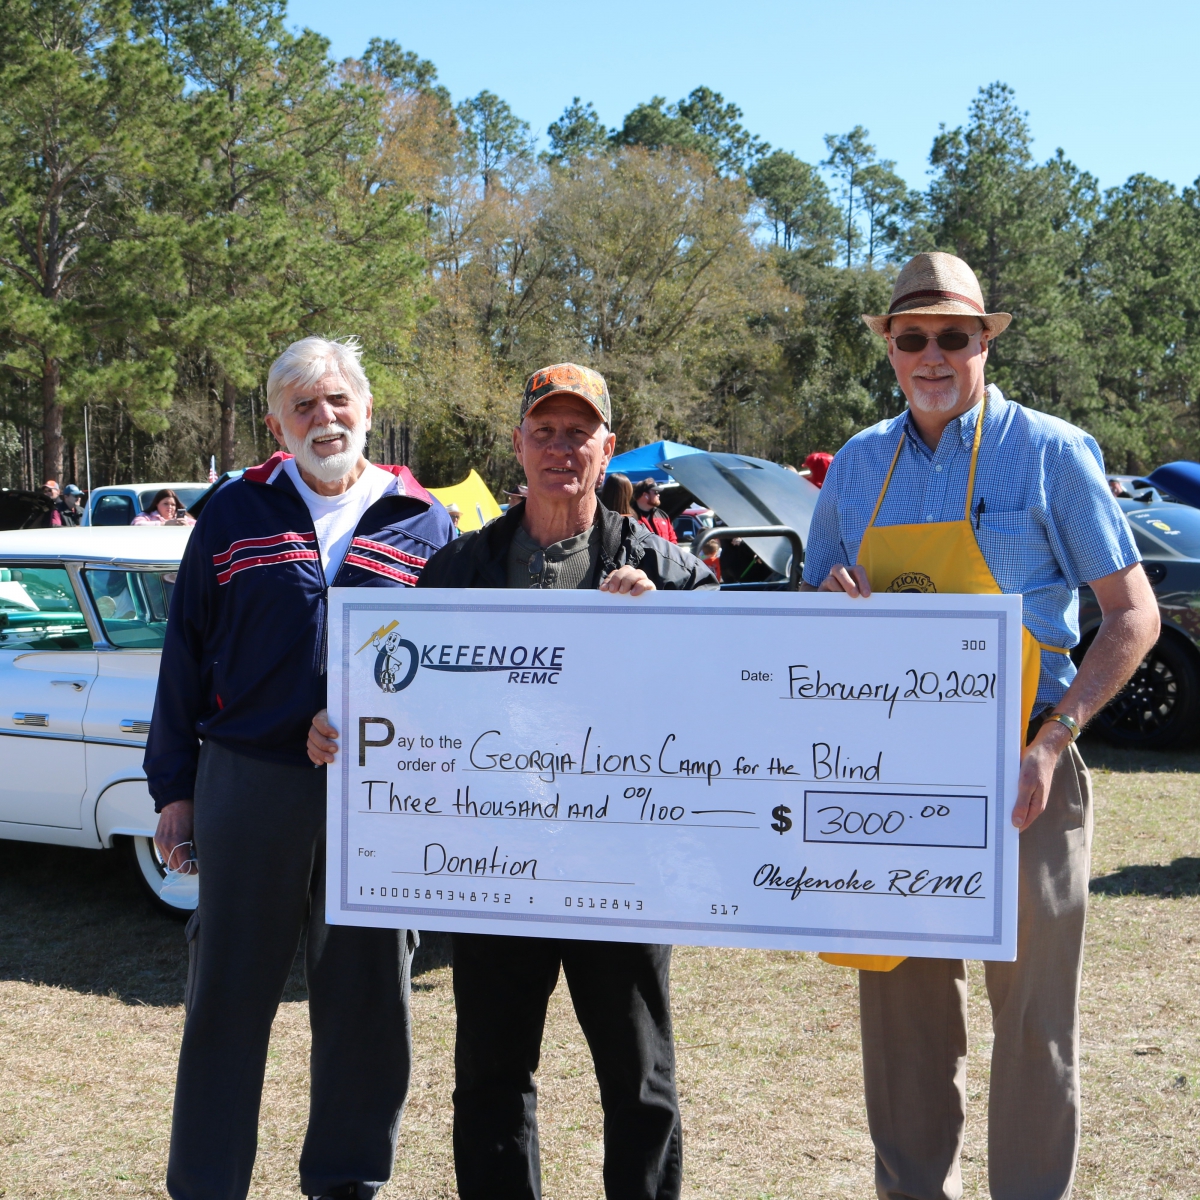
x=646 y=504
x=817 y=464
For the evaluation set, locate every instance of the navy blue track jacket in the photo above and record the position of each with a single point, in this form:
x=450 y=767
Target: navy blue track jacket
x=244 y=657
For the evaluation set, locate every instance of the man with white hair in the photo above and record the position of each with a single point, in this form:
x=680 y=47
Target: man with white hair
x=243 y=670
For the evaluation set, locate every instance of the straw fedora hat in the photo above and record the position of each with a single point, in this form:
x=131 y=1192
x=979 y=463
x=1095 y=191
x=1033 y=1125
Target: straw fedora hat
x=938 y=285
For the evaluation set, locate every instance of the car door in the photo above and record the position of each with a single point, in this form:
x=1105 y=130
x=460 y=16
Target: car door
x=132 y=607
x=47 y=669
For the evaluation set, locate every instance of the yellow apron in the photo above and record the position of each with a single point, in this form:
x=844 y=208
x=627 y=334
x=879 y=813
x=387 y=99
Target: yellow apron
x=936 y=556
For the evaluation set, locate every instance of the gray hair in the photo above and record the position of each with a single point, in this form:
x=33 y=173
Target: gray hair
x=308 y=361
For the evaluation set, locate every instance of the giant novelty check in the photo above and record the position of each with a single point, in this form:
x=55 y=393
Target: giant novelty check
x=795 y=771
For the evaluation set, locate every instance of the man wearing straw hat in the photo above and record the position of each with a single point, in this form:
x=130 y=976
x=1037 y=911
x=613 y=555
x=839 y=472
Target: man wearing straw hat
x=967 y=491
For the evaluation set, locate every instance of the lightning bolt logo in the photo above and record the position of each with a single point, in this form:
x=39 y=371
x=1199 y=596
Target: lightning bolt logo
x=382 y=631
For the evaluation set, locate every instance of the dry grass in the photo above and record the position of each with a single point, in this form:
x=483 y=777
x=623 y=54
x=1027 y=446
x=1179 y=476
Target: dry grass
x=91 y=980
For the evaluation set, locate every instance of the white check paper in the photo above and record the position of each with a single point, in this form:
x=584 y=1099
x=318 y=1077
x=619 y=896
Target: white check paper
x=791 y=771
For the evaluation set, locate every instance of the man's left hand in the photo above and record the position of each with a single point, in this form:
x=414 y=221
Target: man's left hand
x=1129 y=629
x=627 y=581
x=1037 y=773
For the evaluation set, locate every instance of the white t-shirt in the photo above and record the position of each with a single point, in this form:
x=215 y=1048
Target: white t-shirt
x=336 y=517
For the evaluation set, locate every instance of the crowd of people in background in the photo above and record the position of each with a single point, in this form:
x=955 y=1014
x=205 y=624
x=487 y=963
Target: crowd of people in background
x=642 y=501
x=67 y=507
x=64 y=504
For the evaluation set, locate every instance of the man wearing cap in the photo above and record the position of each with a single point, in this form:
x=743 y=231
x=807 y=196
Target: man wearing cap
x=50 y=491
x=647 y=505
x=970 y=492
x=69 y=511
x=560 y=536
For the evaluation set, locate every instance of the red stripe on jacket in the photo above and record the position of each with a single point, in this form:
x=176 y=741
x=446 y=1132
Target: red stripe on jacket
x=382 y=548
x=266 y=560
x=247 y=543
x=357 y=560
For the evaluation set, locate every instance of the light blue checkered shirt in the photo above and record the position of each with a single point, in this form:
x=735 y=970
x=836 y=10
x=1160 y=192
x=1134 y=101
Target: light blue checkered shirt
x=1048 y=521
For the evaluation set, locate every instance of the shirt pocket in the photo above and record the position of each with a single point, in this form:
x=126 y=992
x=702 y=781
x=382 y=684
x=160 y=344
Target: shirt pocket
x=1015 y=546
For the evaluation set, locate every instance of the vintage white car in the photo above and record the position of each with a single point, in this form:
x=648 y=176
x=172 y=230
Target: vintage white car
x=82 y=617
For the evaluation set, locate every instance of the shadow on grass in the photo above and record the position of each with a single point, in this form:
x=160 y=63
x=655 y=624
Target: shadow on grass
x=1180 y=878
x=1100 y=756
x=78 y=919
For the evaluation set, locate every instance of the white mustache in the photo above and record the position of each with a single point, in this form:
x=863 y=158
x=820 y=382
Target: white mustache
x=327 y=431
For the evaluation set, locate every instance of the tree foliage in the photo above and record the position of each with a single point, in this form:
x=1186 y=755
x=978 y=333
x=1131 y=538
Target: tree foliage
x=188 y=185
x=576 y=135
x=80 y=138
x=796 y=201
x=702 y=123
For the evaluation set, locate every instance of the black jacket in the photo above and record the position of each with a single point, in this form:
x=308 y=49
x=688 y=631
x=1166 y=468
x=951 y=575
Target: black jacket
x=480 y=559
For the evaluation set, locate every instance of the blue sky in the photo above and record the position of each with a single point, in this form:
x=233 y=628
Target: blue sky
x=1113 y=85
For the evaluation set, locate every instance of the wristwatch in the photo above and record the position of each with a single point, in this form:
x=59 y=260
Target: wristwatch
x=1072 y=726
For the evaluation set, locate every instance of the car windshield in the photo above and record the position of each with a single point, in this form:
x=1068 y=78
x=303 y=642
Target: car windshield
x=38 y=610
x=132 y=605
x=1166 y=530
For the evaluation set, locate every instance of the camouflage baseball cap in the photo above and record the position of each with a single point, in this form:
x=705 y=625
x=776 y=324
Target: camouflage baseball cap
x=567 y=378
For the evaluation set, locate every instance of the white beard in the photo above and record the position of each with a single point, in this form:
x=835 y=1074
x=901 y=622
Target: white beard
x=933 y=404
x=329 y=468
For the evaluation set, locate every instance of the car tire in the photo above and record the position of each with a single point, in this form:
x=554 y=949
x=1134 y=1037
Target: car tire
x=1159 y=708
x=148 y=866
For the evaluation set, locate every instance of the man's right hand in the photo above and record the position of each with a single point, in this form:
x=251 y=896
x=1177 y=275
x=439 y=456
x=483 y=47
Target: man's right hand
x=851 y=580
x=173 y=837
x=322 y=740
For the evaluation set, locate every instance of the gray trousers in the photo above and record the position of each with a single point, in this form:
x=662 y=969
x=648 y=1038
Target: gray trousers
x=914 y=1032
x=260 y=840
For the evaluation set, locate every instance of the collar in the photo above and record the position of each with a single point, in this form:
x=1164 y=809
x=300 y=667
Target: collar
x=272 y=473
x=498 y=534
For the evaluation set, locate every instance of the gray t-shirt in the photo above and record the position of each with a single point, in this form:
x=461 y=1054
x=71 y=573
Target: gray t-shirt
x=570 y=563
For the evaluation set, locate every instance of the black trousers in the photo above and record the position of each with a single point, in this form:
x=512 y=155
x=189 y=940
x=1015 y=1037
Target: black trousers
x=621 y=994
x=260 y=839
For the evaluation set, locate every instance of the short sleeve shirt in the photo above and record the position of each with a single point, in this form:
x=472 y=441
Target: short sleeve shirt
x=1042 y=512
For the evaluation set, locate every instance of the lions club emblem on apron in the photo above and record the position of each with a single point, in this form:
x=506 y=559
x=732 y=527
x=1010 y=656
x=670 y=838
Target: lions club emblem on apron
x=911 y=581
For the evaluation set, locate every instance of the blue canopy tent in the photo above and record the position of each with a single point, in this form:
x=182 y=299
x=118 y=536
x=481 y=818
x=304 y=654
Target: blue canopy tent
x=1181 y=479
x=645 y=462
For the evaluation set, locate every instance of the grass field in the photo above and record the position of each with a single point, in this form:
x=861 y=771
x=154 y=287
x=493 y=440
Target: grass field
x=90 y=1016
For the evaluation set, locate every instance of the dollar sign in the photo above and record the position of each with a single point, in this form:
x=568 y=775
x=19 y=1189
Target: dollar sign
x=782 y=822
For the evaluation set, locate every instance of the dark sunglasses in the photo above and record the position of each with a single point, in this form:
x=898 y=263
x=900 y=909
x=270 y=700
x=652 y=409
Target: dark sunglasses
x=914 y=343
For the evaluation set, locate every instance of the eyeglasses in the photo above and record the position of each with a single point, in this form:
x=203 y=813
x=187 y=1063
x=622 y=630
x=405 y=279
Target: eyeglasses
x=914 y=343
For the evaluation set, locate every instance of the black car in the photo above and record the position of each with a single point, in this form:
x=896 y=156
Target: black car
x=1160 y=706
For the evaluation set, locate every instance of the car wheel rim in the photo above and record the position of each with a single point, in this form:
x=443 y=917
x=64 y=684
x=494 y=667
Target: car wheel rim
x=1148 y=701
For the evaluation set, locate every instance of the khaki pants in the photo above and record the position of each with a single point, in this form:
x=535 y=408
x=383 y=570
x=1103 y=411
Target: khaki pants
x=914 y=1032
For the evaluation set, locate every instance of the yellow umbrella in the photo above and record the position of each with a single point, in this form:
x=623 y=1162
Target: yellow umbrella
x=475 y=502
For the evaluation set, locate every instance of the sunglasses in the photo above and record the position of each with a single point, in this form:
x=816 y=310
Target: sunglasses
x=914 y=343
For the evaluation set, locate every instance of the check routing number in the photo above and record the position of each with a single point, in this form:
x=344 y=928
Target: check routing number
x=781 y=770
